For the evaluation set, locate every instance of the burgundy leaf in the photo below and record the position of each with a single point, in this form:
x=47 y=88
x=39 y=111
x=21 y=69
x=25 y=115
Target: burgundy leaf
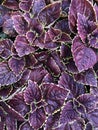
x=67 y=82
x=88 y=77
x=37 y=74
x=18 y=104
x=83 y=56
x=20 y=24
x=93 y=117
x=11 y=4
x=7 y=77
x=30 y=61
x=16 y=65
x=50 y=13
x=22 y=46
x=85 y=27
x=32 y=93
x=37 y=118
x=64 y=38
x=68 y=113
x=93 y=39
x=83 y=7
x=25 y=6
x=37 y=6
x=5 y=91
x=54 y=96
x=5 y=48
x=25 y=126
x=88 y=100
x=11 y=123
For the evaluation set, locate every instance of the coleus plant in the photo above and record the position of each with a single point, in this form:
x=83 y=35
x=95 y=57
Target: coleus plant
x=49 y=65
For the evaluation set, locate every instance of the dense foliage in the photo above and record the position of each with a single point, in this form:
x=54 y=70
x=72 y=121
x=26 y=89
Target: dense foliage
x=49 y=65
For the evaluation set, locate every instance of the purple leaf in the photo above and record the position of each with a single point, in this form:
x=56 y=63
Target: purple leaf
x=30 y=61
x=16 y=65
x=85 y=27
x=67 y=82
x=65 y=5
x=93 y=117
x=96 y=10
x=8 y=28
x=37 y=118
x=25 y=6
x=53 y=66
x=68 y=113
x=83 y=7
x=18 y=104
x=22 y=46
x=32 y=93
x=5 y=48
x=50 y=13
x=25 y=126
x=89 y=126
x=5 y=91
x=30 y=35
x=54 y=96
x=52 y=121
x=7 y=77
x=83 y=56
x=20 y=24
x=11 y=4
x=88 y=100
x=37 y=74
x=10 y=123
x=37 y=6
x=63 y=26
x=87 y=78
x=93 y=39
x=53 y=34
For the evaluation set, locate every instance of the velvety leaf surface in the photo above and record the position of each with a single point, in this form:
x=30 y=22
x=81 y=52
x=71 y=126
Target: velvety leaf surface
x=82 y=7
x=88 y=77
x=11 y=123
x=88 y=100
x=68 y=113
x=37 y=74
x=85 y=27
x=25 y=6
x=16 y=65
x=25 y=126
x=5 y=48
x=37 y=118
x=93 y=117
x=32 y=93
x=30 y=36
x=63 y=26
x=50 y=13
x=11 y=4
x=52 y=121
x=20 y=24
x=18 y=103
x=22 y=46
x=54 y=96
x=38 y=5
x=7 y=77
x=74 y=88
x=8 y=28
x=93 y=39
x=83 y=56
x=89 y=126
